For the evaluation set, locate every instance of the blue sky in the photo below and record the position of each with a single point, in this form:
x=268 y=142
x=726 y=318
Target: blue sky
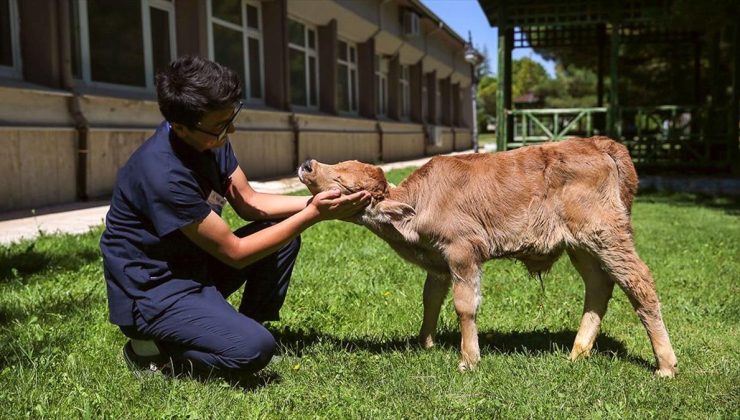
x=466 y=15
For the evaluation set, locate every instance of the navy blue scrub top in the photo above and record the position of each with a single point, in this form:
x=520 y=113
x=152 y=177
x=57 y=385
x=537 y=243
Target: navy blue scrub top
x=165 y=185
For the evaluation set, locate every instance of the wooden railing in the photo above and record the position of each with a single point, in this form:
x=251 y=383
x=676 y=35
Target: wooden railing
x=542 y=125
x=664 y=135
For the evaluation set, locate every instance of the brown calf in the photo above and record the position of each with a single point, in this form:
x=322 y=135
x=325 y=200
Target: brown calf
x=457 y=212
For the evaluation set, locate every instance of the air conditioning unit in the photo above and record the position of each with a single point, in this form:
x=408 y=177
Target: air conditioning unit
x=434 y=135
x=411 y=24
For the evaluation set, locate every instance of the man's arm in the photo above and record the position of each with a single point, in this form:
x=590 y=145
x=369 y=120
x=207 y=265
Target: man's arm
x=252 y=205
x=213 y=235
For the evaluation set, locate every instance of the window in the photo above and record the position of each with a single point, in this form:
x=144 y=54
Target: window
x=236 y=41
x=424 y=102
x=438 y=103
x=143 y=33
x=10 y=57
x=405 y=92
x=347 y=77
x=303 y=61
x=381 y=85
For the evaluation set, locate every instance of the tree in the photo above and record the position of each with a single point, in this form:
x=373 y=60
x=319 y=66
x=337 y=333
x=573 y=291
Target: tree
x=526 y=74
x=486 y=103
x=484 y=68
x=573 y=87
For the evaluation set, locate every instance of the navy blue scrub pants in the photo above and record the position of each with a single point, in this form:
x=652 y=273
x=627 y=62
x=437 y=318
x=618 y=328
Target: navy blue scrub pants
x=203 y=328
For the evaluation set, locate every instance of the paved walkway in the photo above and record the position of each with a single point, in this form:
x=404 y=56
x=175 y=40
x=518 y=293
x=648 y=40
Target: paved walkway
x=80 y=217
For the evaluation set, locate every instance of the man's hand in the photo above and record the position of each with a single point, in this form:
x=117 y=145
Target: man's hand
x=333 y=205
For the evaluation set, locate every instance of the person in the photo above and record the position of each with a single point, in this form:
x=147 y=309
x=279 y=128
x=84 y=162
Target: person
x=170 y=261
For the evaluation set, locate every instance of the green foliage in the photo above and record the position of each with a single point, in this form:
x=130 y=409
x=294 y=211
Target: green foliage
x=486 y=101
x=347 y=335
x=572 y=87
x=526 y=75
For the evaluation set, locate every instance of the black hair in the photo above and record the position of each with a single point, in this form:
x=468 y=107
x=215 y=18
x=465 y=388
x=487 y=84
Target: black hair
x=191 y=86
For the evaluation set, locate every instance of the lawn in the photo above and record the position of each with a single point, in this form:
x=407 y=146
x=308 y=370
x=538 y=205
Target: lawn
x=347 y=336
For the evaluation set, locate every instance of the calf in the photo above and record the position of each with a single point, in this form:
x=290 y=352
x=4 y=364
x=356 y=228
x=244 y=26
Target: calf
x=457 y=212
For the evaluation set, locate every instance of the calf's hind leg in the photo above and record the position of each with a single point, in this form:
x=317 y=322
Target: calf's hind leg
x=620 y=260
x=599 y=287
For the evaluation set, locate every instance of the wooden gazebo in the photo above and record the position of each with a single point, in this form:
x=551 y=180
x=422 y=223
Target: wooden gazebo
x=703 y=134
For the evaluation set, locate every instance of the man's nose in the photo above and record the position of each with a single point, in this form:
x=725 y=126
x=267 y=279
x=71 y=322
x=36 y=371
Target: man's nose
x=306 y=166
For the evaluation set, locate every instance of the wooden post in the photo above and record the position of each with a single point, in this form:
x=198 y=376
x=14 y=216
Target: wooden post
x=503 y=92
x=734 y=108
x=601 y=47
x=612 y=111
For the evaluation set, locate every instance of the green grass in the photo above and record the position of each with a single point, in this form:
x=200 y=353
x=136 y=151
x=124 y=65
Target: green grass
x=349 y=326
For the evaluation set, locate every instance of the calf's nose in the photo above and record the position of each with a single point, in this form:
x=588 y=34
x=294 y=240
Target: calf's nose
x=306 y=166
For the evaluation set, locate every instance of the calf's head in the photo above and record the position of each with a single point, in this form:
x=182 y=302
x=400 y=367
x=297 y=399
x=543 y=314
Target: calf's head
x=352 y=176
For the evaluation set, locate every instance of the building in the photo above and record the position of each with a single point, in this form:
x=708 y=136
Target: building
x=373 y=80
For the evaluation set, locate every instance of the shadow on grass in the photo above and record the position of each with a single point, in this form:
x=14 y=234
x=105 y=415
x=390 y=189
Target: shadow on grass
x=245 y=382
x=514 y=342
x=730 y=205
x=21 y=261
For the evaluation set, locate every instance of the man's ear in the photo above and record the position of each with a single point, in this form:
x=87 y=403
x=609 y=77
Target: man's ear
x=399 y=215
x=179 y=129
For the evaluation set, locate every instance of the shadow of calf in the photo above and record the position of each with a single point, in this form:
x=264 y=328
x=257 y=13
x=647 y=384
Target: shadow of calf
x=512 y=342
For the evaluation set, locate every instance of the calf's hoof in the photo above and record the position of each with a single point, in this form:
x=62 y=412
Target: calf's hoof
x=667 y=372
x=579 y=352
x=426 y=342
x=467 y=364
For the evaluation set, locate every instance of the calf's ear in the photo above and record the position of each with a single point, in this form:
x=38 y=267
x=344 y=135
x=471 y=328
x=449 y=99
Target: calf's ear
x=399 y=215
x=395 y=210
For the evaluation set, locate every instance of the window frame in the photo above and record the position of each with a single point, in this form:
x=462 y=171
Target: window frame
x=16 y=70
x=404 y=88
x=438 y=102
x=246 y=33
x=351 y=65
x=308 y=53
x=84 y=45
x=381 y=85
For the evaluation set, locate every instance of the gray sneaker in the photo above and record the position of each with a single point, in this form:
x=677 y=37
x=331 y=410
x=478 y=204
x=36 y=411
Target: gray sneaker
x=146 y=365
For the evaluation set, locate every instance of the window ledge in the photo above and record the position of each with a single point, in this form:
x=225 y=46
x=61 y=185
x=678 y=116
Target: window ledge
x=13 y=83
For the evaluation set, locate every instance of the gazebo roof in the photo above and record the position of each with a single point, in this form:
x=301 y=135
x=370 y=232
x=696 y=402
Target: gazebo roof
x=576 y=12
x=555 y=23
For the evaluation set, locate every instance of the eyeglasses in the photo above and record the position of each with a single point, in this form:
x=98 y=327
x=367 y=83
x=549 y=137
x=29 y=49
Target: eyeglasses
x=220 y=135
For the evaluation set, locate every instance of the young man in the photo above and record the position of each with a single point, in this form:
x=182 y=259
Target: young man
x=170 y=261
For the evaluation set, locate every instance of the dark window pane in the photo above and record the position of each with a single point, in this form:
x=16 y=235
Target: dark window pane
x=342 y=88
x=116 y=44
x=160 y=22
x=353 y=88
x=311 y=39
x=74 y=29
x=351 y=54
x=297 y=77
x=377 y=95
x=6 y=43
x=342 y=50
x=255 y=69
x=229 y=49
x=228 y=10
x=296 y=33
x=312 y=81
x=253 y=17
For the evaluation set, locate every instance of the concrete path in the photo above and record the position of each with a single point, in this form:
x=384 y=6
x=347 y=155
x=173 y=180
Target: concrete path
x=80 y=217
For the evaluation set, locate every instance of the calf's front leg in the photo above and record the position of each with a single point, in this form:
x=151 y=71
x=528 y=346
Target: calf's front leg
x=466 y=294
x=435 y=291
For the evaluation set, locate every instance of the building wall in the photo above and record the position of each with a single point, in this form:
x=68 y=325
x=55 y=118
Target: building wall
x=38 y=167
x=40 y=144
